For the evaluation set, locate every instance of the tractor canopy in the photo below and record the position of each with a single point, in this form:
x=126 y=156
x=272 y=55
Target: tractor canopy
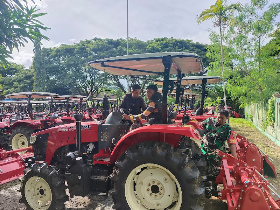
x=27 y=95
x=149 y=63
x=192 y=80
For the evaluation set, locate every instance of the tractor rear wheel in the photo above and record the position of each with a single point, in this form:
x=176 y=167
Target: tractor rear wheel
x=20 y=137
x=43 y=188
x=4 y=141
x=153 y=175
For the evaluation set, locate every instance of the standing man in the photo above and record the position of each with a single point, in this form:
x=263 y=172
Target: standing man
x=133 y=103
x=154 y=109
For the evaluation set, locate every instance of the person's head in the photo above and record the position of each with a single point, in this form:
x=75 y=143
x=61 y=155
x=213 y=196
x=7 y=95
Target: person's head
x=220 y=107
x=151 y=89
x=222 y=117
x=136 y=91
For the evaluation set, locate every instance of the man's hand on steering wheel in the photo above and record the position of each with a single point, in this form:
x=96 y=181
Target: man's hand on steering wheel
x=126 y=117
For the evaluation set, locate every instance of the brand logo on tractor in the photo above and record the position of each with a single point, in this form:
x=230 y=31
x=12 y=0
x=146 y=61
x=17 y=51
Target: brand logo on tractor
x=73 y=128
x=86 y=127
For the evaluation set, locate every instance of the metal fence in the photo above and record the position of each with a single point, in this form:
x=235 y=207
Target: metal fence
x=256 y=113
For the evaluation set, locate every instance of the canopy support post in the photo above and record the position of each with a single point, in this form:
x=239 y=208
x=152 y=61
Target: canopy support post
x=178 y=88
x=167 y=61
x=203 y=93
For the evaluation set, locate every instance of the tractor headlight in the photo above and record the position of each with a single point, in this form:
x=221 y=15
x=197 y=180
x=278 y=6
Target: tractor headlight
x=33 y=139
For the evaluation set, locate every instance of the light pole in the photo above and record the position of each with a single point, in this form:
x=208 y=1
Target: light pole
x=126 y=27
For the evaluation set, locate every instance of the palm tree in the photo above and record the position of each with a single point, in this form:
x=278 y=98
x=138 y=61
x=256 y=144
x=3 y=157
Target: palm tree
x=220 y=14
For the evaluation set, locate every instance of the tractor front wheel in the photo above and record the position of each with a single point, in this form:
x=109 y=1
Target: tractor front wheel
x=20 y=137
x=43 y=188
x=152 y=175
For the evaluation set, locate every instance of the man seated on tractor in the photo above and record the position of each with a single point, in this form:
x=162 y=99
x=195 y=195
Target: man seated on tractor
x=217 y=133
x=133 y=103
x=154 y=109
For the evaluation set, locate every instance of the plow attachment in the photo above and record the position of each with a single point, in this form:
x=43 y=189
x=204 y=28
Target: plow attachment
x=244 y=186
x=12 y=164
x=254 y=157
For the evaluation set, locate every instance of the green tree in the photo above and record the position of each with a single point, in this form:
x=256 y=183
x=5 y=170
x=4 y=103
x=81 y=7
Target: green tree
x=64 y=69
x=15 y=78
x=18 y=24
x=253 y=76
x=178 y=45
x=220 y=13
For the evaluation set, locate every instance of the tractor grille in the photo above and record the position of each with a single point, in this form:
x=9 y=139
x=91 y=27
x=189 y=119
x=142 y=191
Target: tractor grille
x=40 y=147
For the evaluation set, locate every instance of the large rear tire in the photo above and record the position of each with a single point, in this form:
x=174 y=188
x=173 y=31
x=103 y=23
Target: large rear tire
x=4 y=141
x=43 y=188
x=151 y=175
x=20 y=137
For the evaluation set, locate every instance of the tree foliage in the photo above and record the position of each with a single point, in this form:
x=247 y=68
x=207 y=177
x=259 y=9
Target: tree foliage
x=64 y=69
x=254 y=76
x=221 y=14
x=250 y=65
x=15 y=78
x=18 y=24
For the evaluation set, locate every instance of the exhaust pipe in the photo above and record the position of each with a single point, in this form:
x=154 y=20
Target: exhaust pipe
x=78 y=118
x=106 y=107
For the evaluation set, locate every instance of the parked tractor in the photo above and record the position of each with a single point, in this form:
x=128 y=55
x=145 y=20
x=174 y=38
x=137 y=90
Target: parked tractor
x=151 y=167
x=18 y=131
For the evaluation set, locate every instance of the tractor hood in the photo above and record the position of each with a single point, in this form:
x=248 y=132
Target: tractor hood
x=66 y=128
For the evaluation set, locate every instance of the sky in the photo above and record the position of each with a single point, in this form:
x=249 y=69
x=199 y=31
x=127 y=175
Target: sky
x=71 y=21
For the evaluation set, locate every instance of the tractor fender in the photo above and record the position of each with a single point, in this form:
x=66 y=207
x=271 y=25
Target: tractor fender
x=195 y=124
x=4 y=125
x=161 y=133
x=34 y=124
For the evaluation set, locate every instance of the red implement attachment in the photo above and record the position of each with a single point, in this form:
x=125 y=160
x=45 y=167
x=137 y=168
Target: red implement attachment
x=244 y=187
x=12 y=164
x=253 y=156
x=199 y=118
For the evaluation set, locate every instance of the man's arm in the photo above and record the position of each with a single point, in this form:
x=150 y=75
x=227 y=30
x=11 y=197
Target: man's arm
x=142 y=104
x=232 y=148
x=151 y=107
x=123 y=106
x=232 y=144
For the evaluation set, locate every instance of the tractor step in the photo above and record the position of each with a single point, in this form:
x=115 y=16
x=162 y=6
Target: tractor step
x=100 y=179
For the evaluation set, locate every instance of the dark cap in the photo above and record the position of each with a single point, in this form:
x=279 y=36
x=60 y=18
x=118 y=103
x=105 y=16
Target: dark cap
x=224 y=112
x=153 y=87
x=136 y=87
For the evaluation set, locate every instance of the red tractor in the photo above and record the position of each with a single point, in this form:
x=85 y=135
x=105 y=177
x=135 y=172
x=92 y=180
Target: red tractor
x=151 y=167
x=21 y=128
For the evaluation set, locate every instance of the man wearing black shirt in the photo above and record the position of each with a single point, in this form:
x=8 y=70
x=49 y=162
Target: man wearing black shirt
x=154 y=109
x=133 y=103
